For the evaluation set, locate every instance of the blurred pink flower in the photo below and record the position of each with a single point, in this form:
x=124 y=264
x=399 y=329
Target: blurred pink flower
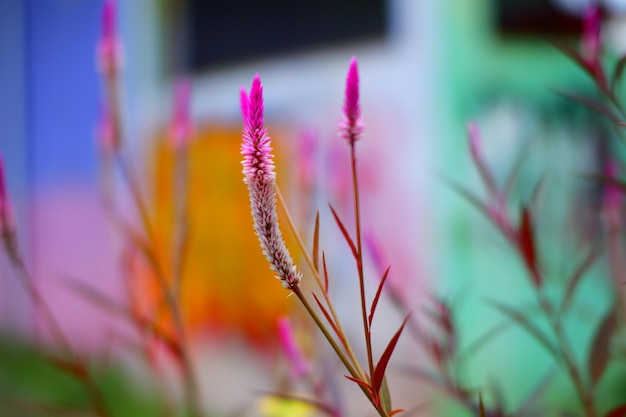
x=299 y=366
x=108 y=47
x=181 y=128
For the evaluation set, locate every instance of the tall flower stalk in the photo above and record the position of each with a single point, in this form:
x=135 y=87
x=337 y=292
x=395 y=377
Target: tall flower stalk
x=259 y=176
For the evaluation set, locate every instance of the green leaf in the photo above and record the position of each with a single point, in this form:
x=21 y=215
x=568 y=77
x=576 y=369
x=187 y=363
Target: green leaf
x=618 y=71
x=385 y=396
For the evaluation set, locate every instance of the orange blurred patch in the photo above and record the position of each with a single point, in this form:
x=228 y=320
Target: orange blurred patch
x=227 y=286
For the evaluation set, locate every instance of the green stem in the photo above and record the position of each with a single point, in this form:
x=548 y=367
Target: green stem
x=341 y=333
x=335 y=346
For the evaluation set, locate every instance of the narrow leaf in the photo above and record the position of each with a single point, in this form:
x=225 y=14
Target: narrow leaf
x=591 y=104
x=381 y=366
x=520 y=158
x=377 y=296
x=104 y=302
x=479 y=162
x=396 y=411
x=483 y=339
x=600 y=353
x=576 y=57
x=520 y=319
x=481 y=406
x=618 y=71
x=345 y=233
x=526 y=244
x=385 y=396
x=470 y=197
x=316 y=241
x=579 y=272
x=361 y=383
x=325 y=312
x=536 y=392
x=325 y=273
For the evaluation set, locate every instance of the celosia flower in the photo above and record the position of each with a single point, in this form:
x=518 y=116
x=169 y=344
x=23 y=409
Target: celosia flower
x=259 y=175
x=299 y=366
x=351 y=125
x=108 y=48
x=180 y=129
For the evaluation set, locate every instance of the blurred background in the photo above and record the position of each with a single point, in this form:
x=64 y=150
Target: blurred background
x=426 y=68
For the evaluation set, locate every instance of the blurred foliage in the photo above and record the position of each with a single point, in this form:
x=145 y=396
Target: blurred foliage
x=31 y=387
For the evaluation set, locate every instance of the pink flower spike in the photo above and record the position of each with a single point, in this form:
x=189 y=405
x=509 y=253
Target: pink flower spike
x=259 y=175
x=299 y=366
x=351 y=125
x=256 y=147
x=109 y=14
x=244 y=103
x=108 y=48
x=180 y=130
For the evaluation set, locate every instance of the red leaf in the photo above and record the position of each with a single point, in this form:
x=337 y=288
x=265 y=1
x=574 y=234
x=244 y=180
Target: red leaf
x=316 y=241
x=361 y=383
x=325 y=273
x=526 y=244
x=375 y=301
x=396 y=411
x=344 y=231
x=600 y=352
x=381 y=366
x=619 y=411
